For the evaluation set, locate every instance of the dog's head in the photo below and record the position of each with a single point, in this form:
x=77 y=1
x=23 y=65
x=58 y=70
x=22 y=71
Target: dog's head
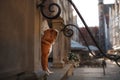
x=50 y=35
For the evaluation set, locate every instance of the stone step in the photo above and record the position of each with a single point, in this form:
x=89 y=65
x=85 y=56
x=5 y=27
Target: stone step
x=61 y=73
x=39 y=75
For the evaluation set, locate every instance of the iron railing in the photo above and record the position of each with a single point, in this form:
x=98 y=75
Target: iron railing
x=69 y=32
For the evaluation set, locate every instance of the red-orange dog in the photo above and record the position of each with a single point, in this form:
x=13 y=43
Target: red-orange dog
x=48 y=39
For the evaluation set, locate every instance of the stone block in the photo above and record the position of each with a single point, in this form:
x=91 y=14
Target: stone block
x=58 y=65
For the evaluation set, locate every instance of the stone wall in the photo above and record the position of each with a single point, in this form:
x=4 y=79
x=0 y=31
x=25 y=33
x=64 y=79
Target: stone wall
x=20 y=23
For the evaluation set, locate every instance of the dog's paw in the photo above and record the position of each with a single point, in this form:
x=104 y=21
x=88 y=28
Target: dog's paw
x=47 y=73
x=50 y=72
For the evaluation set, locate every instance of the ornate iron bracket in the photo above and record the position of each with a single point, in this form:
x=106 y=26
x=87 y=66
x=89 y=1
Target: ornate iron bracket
x=69 y=32
x=50 y=9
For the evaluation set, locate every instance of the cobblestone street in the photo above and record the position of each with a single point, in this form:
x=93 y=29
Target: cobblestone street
x=112 y=73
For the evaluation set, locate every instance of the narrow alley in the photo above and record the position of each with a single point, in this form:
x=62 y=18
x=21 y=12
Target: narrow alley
x=112 y=73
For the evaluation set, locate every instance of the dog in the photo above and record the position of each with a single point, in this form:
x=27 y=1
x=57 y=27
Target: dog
x=47 y=40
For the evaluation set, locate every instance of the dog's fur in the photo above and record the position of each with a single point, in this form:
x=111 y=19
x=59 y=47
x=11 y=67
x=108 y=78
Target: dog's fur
x=47 y=41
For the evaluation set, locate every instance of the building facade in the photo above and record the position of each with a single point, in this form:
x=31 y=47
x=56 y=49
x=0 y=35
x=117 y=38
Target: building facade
x=104 y=37
x=111 y=25
x=101 y=26
x=94 y=31
x=115 y=26
x=21 y=28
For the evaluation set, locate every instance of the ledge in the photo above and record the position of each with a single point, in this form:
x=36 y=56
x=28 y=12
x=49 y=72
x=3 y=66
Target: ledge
x=39 y=75
x=61 y=73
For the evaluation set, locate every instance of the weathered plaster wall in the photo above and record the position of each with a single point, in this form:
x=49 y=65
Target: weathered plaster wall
x=19 y=36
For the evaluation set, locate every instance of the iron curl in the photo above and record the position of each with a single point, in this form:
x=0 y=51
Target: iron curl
x=67 y=31
x=50 y=9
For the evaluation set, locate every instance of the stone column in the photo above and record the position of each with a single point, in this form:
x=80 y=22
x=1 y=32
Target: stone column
x=58 y=48
x=101 y=25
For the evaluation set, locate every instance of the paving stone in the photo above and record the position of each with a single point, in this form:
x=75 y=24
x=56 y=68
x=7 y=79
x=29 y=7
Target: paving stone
x=112 y=73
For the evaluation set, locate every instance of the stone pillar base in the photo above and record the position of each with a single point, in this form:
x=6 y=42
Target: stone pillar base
x=58 y=65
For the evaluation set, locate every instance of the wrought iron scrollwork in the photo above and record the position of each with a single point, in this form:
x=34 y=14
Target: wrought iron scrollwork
x=50 y=9
x=67 y=31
